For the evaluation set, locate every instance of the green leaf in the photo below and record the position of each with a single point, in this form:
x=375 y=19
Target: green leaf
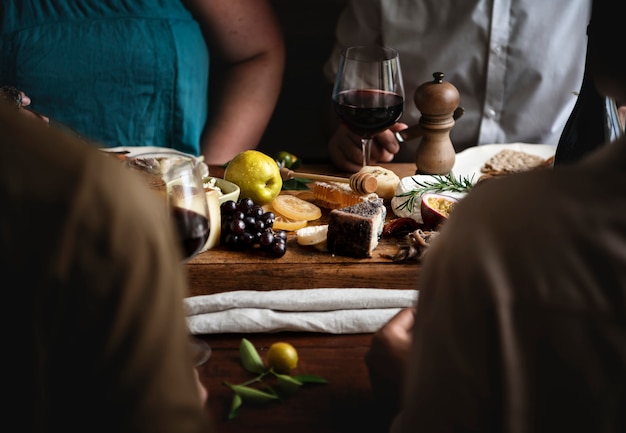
x=253 y=395
x=234 y=406
x=309 y=378
x=296 y=184
x=250 y=357
x=439 y=183
x=287 y=384
x=286 y=378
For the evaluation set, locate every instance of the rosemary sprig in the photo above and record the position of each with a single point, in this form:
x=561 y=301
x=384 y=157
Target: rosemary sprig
x=440 y=183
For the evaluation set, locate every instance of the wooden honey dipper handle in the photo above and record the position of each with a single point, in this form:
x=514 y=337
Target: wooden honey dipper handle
x=361 y=183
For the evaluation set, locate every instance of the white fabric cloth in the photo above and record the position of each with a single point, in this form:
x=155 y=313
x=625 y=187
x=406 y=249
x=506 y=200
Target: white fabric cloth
x=330 y=310
x=518 y=64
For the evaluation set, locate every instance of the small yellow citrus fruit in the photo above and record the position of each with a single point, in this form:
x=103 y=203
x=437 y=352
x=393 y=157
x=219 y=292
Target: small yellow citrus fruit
x=282 y=357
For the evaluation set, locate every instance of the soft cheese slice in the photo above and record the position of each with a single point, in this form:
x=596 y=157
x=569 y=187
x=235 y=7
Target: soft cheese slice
x=355 y=230
x=215 y=220
x=387 y=180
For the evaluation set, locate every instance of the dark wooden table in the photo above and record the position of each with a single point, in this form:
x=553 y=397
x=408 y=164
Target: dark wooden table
x=346 y=403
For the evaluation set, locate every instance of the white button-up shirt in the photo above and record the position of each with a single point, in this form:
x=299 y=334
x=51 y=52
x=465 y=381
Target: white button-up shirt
x=518 y=64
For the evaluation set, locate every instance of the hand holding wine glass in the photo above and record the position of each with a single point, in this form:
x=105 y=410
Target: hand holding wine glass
x=368 y=95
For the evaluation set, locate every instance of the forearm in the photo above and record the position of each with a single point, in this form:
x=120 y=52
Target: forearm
x=247 y=100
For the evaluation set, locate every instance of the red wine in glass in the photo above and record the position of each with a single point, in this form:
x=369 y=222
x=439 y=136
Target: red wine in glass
x=368 y=112
x=192 y=229
x=368 y=95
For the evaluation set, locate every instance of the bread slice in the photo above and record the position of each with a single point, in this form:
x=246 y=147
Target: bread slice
x=354 y=231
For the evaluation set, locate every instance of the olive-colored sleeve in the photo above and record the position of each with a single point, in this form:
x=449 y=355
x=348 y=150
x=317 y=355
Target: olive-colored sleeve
x=145 y=378
x=519 y=324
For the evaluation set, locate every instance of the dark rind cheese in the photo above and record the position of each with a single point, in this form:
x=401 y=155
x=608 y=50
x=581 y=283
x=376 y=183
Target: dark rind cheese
x=354 y=231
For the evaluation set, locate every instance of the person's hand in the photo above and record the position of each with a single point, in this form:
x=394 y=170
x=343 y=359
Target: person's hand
x=25 y=103
x=387 y=357
x=345 y=152
x=621 y=113
x=203 y=393
x=21 y=101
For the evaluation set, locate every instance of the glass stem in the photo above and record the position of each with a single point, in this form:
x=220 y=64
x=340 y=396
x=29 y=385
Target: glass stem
x=366 y=145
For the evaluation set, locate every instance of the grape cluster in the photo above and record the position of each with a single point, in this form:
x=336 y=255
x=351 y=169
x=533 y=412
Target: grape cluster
x=245 y=225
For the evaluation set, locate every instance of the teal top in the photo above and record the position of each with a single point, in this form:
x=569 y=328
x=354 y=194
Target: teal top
x=120 y=72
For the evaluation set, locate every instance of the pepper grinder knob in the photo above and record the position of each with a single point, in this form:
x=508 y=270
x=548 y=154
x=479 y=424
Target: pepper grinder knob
x=437 y=98
x=438 y=102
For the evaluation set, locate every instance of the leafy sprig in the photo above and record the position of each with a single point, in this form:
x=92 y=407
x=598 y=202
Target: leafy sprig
x=285 y=159
x=296 y=184
x=440 y=183
x=256 y=390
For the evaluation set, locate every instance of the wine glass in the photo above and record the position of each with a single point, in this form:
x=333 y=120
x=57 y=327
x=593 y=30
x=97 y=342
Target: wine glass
x=368 y=95
x=189 y=209
x=188 y=205
x=178 y=179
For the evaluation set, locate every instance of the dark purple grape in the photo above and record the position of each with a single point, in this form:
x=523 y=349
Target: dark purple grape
x=268 y=219
x=259 y=225
x=266 y=240
x=228 y=207
x=279 y=248
x=281 y=234
x=237 y=226
x=256 y=211
x=247 y=240
x=245 y=204
x=231 y=241
x=268 y=216
x=250 y=221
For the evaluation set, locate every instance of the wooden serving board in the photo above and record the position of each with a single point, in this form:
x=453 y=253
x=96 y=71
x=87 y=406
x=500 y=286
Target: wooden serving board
x=219 y=270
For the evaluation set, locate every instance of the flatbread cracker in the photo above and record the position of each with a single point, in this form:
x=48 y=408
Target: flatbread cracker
x=513 y=161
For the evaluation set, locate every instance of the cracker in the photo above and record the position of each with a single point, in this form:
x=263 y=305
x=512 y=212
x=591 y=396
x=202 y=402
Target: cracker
x=513 y=161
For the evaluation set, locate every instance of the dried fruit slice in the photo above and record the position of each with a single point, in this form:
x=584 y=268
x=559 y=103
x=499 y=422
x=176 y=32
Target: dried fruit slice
x=295 y=208
x=283 y=223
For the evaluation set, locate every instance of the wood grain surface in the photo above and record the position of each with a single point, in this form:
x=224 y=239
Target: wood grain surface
x=345 y=404
x=219 y=269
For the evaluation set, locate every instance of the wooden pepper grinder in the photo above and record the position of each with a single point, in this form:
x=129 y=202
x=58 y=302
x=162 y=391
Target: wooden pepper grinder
x=438 y=102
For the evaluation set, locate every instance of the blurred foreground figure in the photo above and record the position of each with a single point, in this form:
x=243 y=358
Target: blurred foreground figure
x=92 y=270
x=528 y=332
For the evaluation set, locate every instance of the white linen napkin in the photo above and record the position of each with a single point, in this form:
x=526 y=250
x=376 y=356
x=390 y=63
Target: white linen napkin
x=334 y=311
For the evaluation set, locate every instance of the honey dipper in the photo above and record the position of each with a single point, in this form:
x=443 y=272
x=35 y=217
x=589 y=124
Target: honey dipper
x=360 y=183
